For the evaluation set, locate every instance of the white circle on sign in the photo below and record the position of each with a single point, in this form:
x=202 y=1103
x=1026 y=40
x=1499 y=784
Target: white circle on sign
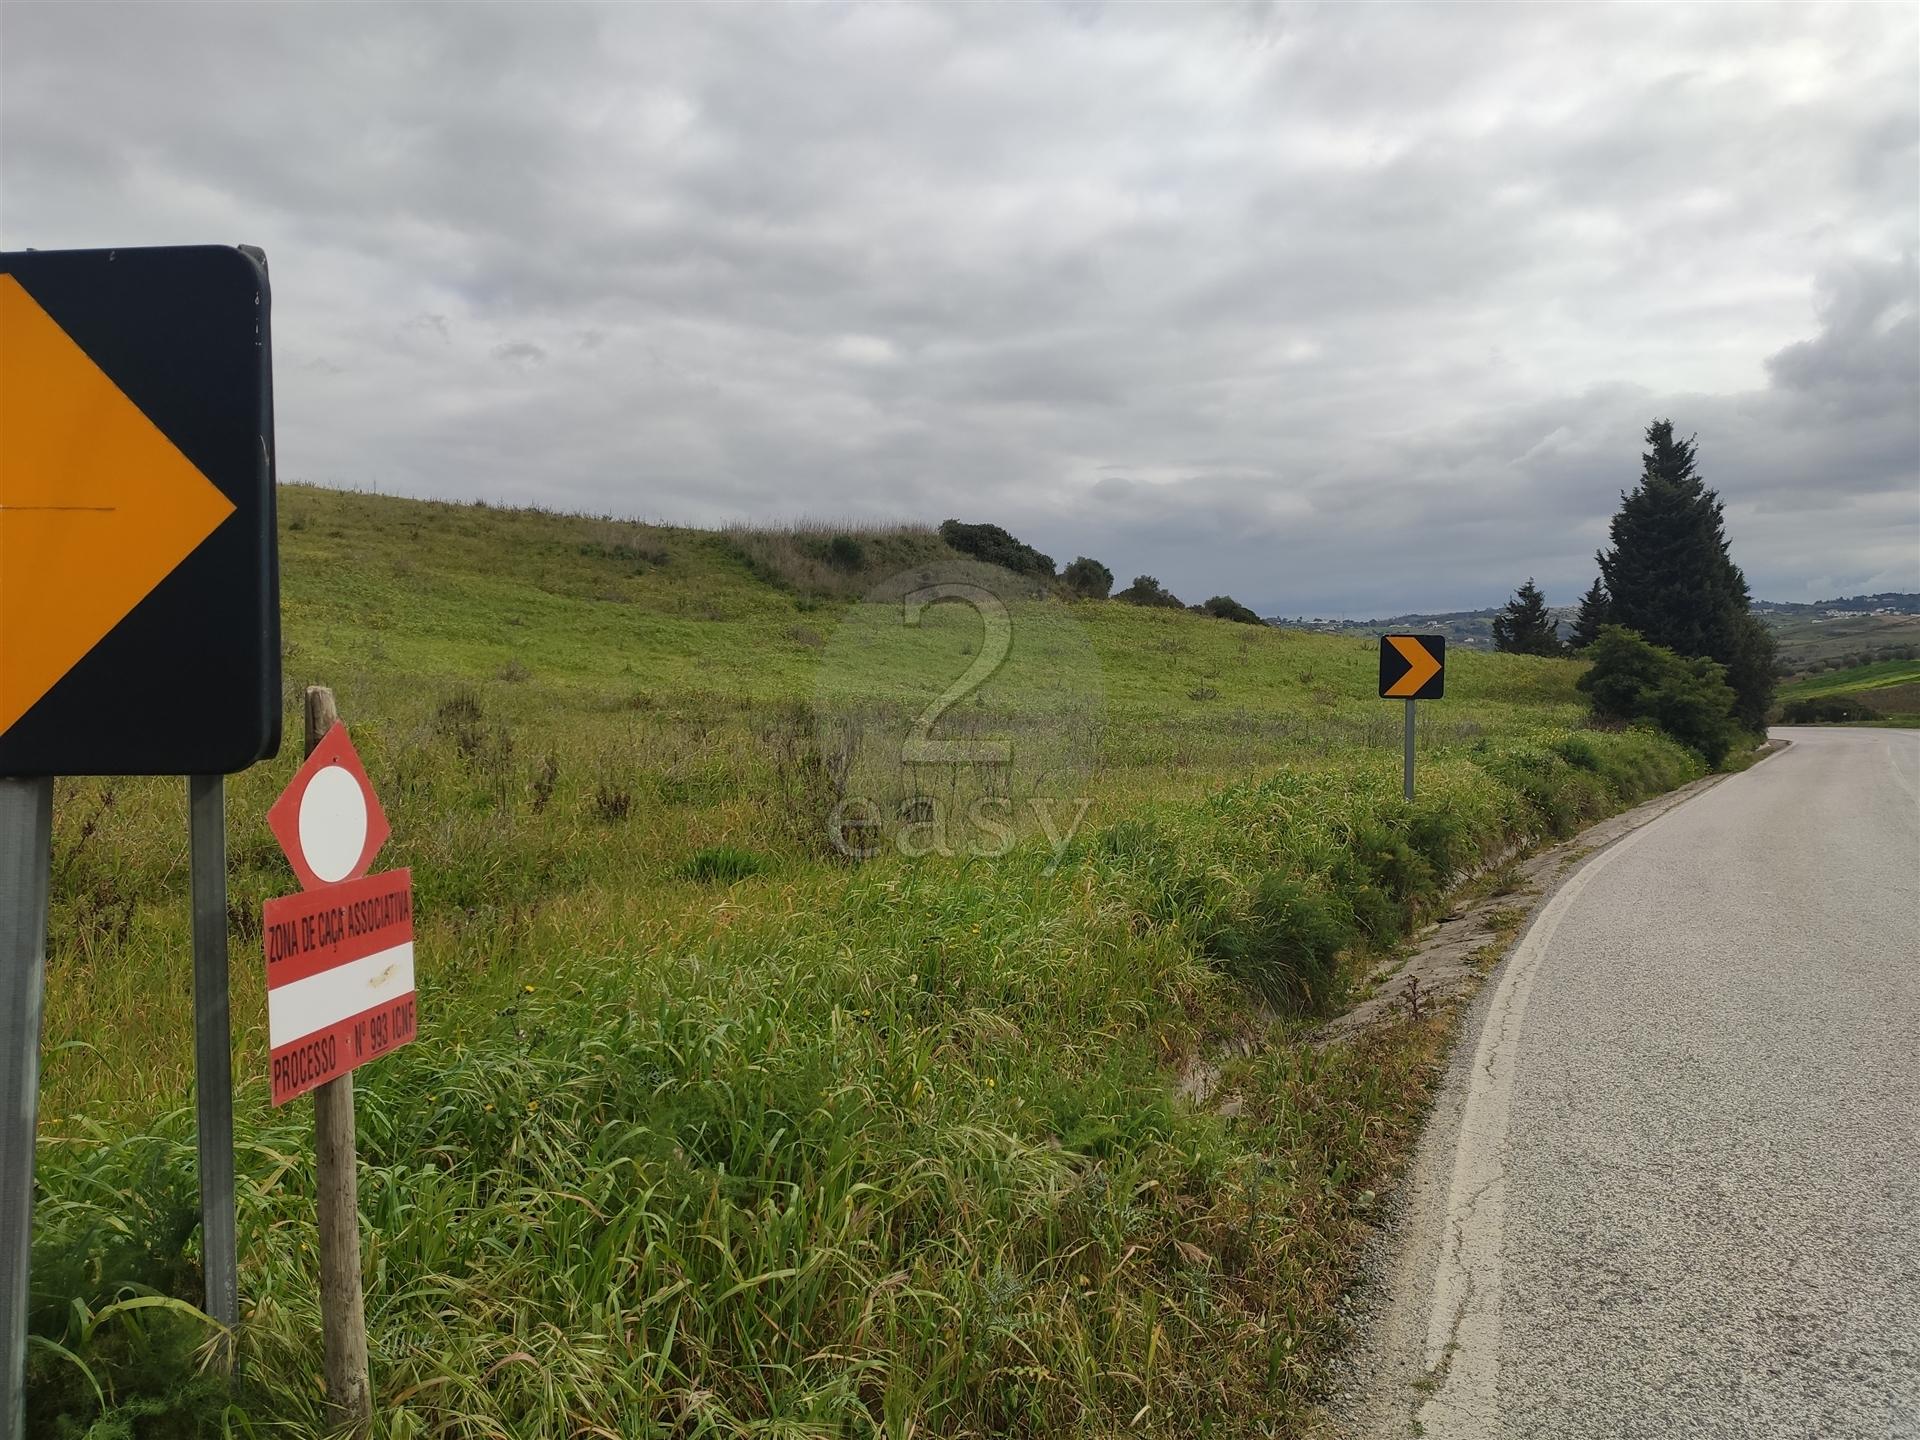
x=333 y=824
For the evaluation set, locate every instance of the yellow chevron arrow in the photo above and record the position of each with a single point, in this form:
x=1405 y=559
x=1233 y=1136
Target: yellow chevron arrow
x=96 y=505
x=1421 y=667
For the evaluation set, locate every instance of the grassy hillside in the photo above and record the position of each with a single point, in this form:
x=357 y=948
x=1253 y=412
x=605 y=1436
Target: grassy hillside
x=1880 y=676
x=713 y=1129
x=1886 y=693
x=1808 y=637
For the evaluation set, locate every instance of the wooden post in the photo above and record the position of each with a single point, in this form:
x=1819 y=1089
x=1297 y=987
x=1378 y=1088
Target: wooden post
x=343 y=1316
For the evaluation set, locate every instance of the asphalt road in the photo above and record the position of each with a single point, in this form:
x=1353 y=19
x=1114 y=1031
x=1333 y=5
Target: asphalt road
x=1673 y=1187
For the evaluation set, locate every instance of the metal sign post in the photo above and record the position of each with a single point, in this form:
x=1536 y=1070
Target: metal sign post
x=26 y=862
x=1406 y=784
x=213 y=1050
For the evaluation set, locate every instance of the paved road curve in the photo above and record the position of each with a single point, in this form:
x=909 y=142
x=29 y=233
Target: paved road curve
x=1678 y=1192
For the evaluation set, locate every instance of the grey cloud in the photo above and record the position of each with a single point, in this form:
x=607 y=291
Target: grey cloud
x=1867 y=353
x=1354 y=309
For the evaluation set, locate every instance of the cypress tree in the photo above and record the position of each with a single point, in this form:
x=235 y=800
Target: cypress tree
x=1593 y=614
x=1668 y=575
x=1524 y=627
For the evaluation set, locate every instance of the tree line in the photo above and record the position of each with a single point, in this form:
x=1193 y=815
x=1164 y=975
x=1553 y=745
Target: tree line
x=1085 y=578
x=1668 y=622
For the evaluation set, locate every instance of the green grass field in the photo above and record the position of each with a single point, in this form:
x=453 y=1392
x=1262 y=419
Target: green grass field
x=1884 y=693
x=714 y=1130
x=1881 y=676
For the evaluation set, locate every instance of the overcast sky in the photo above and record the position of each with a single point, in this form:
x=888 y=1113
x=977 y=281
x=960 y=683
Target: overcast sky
x=1346 y=310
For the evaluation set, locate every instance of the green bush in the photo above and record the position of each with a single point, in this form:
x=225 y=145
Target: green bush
x=1225 y=607
x=1145 y=590
x=1631 y=680
x=1088 y=579
x=1824 y=710
x=845 y=552
x=995 y=546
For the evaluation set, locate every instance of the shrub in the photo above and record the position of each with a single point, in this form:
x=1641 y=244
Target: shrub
x=1225 y=607
x=1824 y=710
x=1146 y=590
x=995 y=546
x=1088 y=579
x=844 y=552
x=458 y=718
x=611 y=802
x=1631 y=679
x=1286 y=945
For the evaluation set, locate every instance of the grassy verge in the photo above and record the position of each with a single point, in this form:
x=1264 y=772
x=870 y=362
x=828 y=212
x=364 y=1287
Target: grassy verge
x=765 y=1143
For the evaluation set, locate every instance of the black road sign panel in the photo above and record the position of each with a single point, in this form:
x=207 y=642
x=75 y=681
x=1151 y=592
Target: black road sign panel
x=1413 y=667
x=139 y=565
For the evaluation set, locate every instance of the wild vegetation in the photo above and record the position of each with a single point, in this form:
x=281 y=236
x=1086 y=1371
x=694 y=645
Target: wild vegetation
x=995 y=546
x=1147 y=591
x=1630 y=679
x=713 y=1130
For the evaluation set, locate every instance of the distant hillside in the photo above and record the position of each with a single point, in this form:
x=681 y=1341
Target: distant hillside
x=1891 y=602
x=1470 y=628
x=1851 y=630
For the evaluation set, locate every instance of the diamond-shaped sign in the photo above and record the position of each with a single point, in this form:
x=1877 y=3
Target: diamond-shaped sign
x=328 y=819
x=137 y=540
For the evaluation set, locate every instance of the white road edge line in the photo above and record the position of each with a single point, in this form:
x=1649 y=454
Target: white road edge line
x=1463 y=1327
x=1899 y=775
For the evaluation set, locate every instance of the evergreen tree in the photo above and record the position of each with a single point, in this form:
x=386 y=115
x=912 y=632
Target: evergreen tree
x=1525 y=627
x=1669 y=578
x=1593 y=614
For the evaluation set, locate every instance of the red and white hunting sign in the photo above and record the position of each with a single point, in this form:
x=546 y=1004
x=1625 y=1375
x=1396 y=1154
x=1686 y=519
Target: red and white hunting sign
x=328 y=819
x=339 y=956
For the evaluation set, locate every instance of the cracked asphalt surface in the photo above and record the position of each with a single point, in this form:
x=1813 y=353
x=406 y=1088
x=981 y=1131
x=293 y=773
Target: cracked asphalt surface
x=1679 y=1189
